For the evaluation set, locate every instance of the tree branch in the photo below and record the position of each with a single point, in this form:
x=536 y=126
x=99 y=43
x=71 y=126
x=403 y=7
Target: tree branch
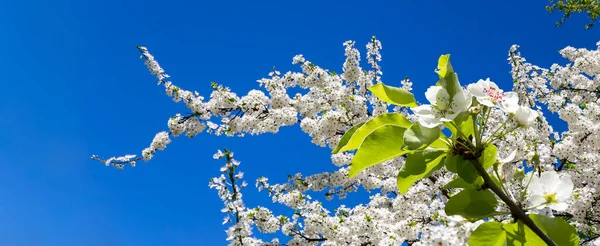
x=516 y=211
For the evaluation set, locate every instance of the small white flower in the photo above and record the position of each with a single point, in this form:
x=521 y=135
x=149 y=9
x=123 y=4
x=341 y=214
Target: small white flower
x=441 y=108
x=551 y=190
x=509 y=103
x=525 y=116
x=488 y=94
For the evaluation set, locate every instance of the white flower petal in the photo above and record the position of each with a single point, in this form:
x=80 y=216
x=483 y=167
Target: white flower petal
x=449 y=117
x=560 y=206
x=536 y=199
x=535 y=186
x=423 y=110
x=565 y=189
x=483 y=90
x=431 y=94
x=477 y=89
x=487 y=101
x=526 y=116
x=549 y=181
x=461 y=101
x=426 y=114
x=430 y=122
x=510 y=102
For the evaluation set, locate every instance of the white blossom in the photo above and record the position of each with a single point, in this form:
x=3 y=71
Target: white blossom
x=442 y=109
x=550 y=190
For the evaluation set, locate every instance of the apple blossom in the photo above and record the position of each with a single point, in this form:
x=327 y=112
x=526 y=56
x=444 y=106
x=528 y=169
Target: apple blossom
x=489 y=94
x=326 y=105
x=525 y=116
x=442 y=109
x=550 y=190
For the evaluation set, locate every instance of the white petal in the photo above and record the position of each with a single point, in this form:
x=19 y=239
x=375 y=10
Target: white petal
x=550 y=181
x=535 y=186
x=477 y=89
x=461 y=101
x=490 y=84
x=536 y=199
x=560 y=206
x=426 y=114
x=565 y=189
x=430 y=122
x=423 y=110
x=449 y=117
x=487 y=101
x=431 y=94
x=510 y=102
x=526 y=116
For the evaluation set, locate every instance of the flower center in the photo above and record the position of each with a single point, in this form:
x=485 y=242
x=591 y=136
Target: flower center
x=497 y=95
x=550 y=198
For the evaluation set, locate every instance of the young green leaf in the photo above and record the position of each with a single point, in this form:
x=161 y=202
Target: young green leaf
x=461 y=183
x=418 y=136
x=464 y=168
x=458 y=183
x=358 y=136
x=559 y=230
x=488 y=234
x=472 y=204
x=489 y=156
x=444 y=66
x=467 y=126
x=393 y=95
x=459 y=120
x=383 y=144
x=419 y=165
x=448 y=78
x=346 y=138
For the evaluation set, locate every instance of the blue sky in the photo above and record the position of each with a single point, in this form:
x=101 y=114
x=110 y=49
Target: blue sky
x=74 y=86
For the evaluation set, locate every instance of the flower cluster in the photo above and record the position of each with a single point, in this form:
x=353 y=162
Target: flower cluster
x=563 y=182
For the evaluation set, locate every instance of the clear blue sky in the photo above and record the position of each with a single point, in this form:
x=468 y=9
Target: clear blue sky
x=74 y=86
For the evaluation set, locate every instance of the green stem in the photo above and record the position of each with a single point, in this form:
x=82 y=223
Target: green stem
x=476 y=131
x=491 y=137
x=486 y=115
x=516 y=211
x=532 y=207
x=502 y=183
x=528 y=182
x=461 y=134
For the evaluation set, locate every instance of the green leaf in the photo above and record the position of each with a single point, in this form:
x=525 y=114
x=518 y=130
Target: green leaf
x=467 y=126
x=472 y=204
x=457 y=182
x=418 y=136
x=444 y=66
x=346 y=138
x=559 y=230
x=393 y=95
x=448 y=78
x=488 y=234
x=464 y=168
x=383 y=144
x=418 y=165
x=459 y=121
x=489 y=156
x=440 y=143
x=359 y=135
